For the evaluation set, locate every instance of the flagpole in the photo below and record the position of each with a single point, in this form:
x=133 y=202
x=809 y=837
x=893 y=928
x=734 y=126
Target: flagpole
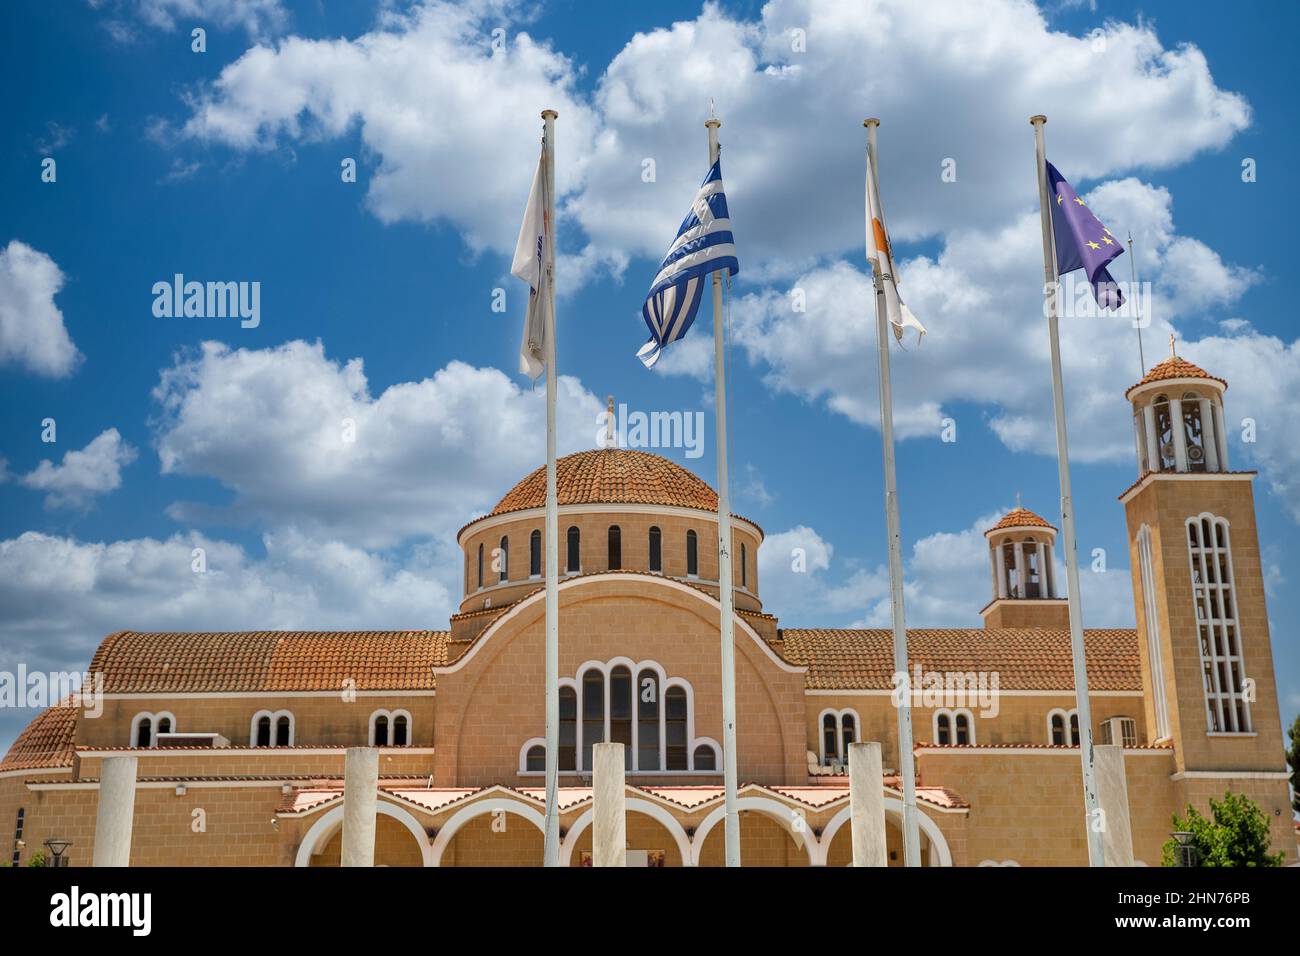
x=1093 y=822
x=906 y=760
x=726 y=596
x=551 y=842
x=1137 y=301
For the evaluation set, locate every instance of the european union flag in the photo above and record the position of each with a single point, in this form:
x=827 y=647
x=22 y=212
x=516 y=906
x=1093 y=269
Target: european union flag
x=1082 y=242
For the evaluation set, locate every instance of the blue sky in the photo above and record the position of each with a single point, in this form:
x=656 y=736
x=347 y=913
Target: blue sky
x=225 y=165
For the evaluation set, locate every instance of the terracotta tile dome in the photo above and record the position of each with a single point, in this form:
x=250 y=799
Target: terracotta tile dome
x=612 y=476
x=1021 y=518
x=1175 y=367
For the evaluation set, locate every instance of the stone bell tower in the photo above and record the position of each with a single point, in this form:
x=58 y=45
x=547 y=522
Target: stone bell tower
x=1203 y=634
x=1025 y=594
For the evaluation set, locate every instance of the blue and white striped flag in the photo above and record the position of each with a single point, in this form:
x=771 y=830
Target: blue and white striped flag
x=704 y=244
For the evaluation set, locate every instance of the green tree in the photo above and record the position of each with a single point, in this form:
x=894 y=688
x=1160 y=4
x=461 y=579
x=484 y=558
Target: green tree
x=1293 y=758
x=1235 y=834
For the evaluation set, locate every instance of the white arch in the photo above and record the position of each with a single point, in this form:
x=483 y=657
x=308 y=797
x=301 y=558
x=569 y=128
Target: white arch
x=940 y=854
x=780 y=812
x=1066 y=716
x=154 y=720
x=952 y=713
x=839 y=715
x=392 y=716
x=275 y=720
x=478 y=809
x=323 y=829
x=634 y=805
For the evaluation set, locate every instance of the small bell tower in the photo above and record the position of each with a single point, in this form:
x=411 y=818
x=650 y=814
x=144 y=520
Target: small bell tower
x=1025 y=594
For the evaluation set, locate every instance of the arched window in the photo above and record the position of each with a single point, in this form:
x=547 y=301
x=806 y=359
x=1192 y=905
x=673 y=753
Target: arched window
x=705 y=758
x=656 y=550
x=1194 y=432
x=1058 y=720
x=146 y=727
x=647 y=720
x=830 y=739
x=848 y=731
x=692 y=555
x=593 y=713
x=536 y=760
x=620 y=711
x=963 y=728
x=573 y=563
x=271 y=729
x=839 y=728
x=615 y=547
x=744 y=565
x=390 y=728
x=535 y=554
x=480 y=565
x=954 y=726
x=675 y=714
x=144 y=733
x=568 y=729
x=1165 y=434
x=505 y=558
x=1223 y=669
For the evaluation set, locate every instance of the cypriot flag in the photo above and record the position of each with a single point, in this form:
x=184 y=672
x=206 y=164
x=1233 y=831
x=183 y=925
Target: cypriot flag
x=530 y=265
x=881 y=256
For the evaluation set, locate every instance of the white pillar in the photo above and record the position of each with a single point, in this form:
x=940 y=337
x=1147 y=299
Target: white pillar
x=1209 y=436
x=360 y=795
x=1112 y=797
x=1050 y=570
x=1002 y=569
x=1221 y=433
x=115 y=813
x=1042 y=570
x=609 y=829
x=1154 y=460
x=993 y=564
x=1020 y=569
x=867 y=805
x=1180 y=434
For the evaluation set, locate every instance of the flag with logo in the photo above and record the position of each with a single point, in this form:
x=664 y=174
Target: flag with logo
x=881 y=256
x=530 y=265
x=704 y=245
x=1082 y=242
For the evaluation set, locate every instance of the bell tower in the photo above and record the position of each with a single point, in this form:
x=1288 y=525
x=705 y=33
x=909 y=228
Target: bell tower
x=1025 y=594
x=1203 y=636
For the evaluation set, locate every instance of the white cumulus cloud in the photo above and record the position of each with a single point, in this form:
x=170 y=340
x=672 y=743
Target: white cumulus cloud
x=32 y=334
x=83 y=474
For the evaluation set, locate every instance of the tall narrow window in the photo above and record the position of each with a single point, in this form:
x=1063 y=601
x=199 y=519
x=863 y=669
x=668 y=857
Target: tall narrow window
x=1193 y=431
x=943 y=728
x=568 y=729
x=692 y=555
x=849 y=728
x=480 y=565
x=1165 y=434
x=744 y=565
x=647 y=720
x=504 y=558
x=1033 y=573
x=144 y=733
x=830 y=740
x=962 y=724
x=615 y=547
x=381 y=731
x=264 y=732
x=656 y=550
x=573 y=563
x=535 y=554
x=18 y=836
x=620 y=712
x=593 y=714
x=535 y=761
x=1151 y=618
x=400 y=731
x=1222 y=666
x=283 y=732
x=1074 y=729
x=1058 y=730
x=675 y=709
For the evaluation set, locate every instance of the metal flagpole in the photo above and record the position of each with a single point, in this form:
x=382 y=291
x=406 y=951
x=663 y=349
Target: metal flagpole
x=906 y=761
x=1137 y=301
x=551 y=843
x=1094 y=823
x=726 y=596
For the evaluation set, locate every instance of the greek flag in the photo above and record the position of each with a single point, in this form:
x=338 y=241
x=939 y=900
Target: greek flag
x=704 y=244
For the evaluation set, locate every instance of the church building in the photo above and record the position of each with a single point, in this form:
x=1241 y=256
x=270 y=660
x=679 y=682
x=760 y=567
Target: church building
x=240 y=738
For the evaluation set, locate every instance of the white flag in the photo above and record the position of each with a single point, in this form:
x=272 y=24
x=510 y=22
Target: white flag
x=881 y=256
x=530 y=265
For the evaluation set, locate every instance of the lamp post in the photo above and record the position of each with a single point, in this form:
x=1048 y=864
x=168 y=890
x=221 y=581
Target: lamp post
x=57 y=848
x=1186 y=852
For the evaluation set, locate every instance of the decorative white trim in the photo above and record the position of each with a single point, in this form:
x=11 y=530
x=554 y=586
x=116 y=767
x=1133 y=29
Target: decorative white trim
x=841 y=755
x=884 y=692
x=154 y=719
x=34 y=770
x=940 y=854
x=769 y=807
x=528 y=745
x=695 y=514
x=633 y=804
x=1065 y=716
x=275 y=723
x=263 y=695
x=952 y=713
x=323 y=829
x=1040 y=751
x=241 y=751
x=1230 y=775
x=478 y=809
x=997 y=863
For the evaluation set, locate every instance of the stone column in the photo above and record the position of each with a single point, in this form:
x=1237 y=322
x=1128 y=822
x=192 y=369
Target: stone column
x=1209 y=436
x=1020 y=569
x=1180 y=434
x=1049 y=571
x=1043 y=590
x=1152 y=436
x=1221 y=432
x=1112 y=797
x=609 y=829
x=360 y=795
x=115 y=813
x=1002 y=569
x=867 y=805
x=993 y=563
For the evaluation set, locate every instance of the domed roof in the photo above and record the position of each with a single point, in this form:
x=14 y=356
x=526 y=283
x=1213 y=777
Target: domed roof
x=612 y=476
x=1175 y=367
x=1021 y=518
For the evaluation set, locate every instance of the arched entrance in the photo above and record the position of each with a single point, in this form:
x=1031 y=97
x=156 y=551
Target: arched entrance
x=770 y=835
x=837 y=847
x=497 y=832
x=400 y=839
x=649 y=827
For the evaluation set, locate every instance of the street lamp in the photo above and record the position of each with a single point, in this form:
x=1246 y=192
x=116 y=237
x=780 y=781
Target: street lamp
x=1185 y=854
x=57 y=848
